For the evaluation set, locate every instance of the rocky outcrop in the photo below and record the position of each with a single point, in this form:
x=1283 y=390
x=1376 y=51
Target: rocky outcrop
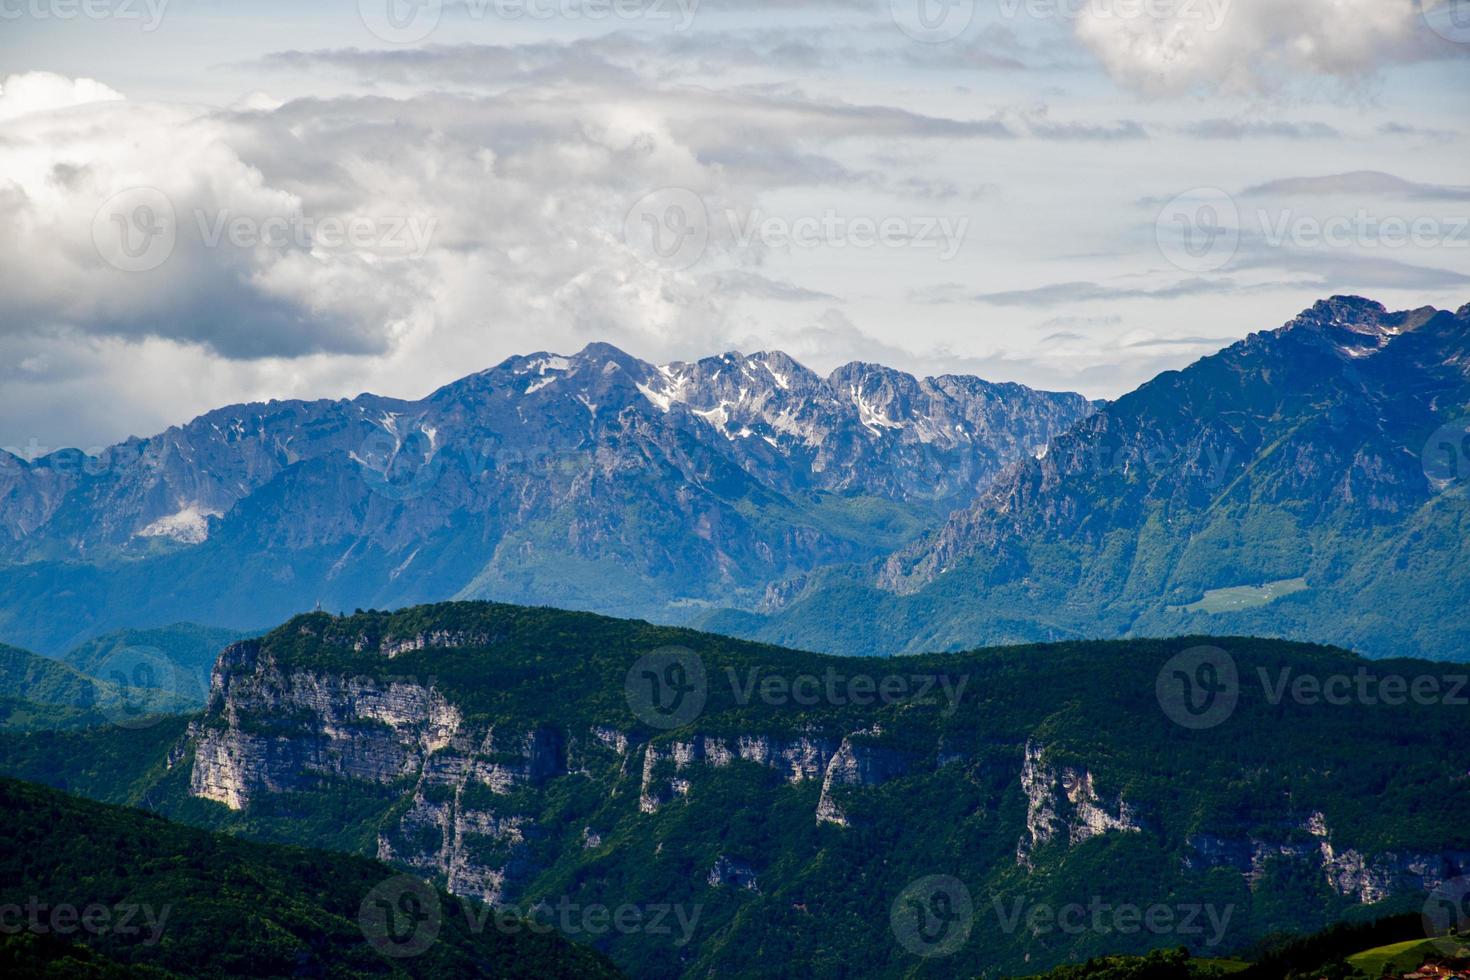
x=836 y=763
x=665 y=764
x=273 y=729
x=475 y=851
x=1062 y=803
x=856 y=764
x=1348 y=871
x=729 y=873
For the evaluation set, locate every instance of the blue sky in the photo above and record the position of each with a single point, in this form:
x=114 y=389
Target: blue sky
x=218 y=201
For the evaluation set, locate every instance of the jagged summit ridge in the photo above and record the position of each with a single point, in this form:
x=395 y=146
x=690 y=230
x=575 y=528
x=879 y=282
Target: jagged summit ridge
x=593 y=480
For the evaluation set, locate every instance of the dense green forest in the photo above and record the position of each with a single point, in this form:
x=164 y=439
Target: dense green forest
x=739 y=847
x=93 y=890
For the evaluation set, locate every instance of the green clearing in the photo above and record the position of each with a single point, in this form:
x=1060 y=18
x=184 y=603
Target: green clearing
x=1399 y=958
x=1237 y=597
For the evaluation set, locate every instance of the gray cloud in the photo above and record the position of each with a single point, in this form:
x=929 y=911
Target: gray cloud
x=1360 y=182
x=1055 y=294
x=763 y=287
x=1335 y=271
x=1238 y=129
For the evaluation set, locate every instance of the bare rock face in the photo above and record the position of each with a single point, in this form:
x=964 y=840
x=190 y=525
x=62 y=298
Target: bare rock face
x=462 y=784
x=1347 y=871
x=729 y=873
x=274 y=731
x=856 y=765
x=665 y=764
x=1063 y=803
x=271 y=729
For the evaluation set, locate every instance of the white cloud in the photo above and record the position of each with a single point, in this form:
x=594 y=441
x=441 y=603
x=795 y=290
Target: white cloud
x=43 y=91
x=1251 y=46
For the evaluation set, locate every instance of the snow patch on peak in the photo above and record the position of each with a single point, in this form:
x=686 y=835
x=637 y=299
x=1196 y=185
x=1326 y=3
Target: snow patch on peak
x=870 y=416
x=540 y=365
x=673 y=390
x=189 y=526
x=782 y=381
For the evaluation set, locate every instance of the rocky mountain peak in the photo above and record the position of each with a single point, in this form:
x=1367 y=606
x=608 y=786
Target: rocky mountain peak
x=1357 y=326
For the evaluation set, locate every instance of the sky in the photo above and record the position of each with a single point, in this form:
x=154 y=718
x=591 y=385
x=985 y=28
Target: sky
x=212 y=201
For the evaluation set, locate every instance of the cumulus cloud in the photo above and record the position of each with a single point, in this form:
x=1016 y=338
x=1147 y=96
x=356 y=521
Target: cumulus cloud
x=170 y=183
x=43 y=91
x=350 y=225
x=1253 y=46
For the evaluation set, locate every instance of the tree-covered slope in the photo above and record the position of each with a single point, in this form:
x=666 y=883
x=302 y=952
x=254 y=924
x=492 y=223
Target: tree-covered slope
x=796 y=809
x=142 y=896
x=177 y=658
x=38 y=692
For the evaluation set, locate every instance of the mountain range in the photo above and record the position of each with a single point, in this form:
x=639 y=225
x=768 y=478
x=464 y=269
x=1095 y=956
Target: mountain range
x=594 y=481
x=1308 y=482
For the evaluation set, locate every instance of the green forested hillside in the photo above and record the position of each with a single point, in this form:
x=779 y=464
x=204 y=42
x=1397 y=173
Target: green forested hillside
x=175 y=658
x=104 y=891
x=38 y=692
x=499 y=748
